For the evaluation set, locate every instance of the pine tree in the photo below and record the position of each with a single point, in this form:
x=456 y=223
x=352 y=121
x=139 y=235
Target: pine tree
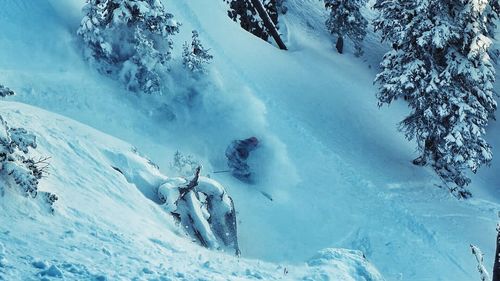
x=440 y=64
x=194 y=55
x=129 y=40
x=492 y=17
x=244 y=12
x=346 y=20
x=14 y=165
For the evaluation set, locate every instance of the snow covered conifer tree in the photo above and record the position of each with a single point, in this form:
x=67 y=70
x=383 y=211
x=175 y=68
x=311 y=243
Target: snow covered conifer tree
x=18 y=169
x=492 y=16
x=441 y=65
x=23 y=171
x=194 y=55
x=129 y=40
x=346 y=20
x=244 y=12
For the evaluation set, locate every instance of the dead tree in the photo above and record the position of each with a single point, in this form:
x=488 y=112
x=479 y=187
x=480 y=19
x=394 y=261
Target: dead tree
x=268 y=23
x=483 y=273
x=204 y=209
x=496 y=264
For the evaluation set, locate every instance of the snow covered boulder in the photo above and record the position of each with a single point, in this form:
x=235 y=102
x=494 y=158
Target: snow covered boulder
x=169 y=194
x=204 y=209
x=341 y=264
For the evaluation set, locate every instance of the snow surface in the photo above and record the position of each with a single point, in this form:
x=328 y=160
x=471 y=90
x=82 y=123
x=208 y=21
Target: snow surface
x=337 y=171
x=107 y=228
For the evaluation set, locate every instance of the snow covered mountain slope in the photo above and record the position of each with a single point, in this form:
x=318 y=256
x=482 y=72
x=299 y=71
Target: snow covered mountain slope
x=106 y=228
x=335 y=166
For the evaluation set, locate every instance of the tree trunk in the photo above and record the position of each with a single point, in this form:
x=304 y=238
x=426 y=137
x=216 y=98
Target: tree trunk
x=268 y=23
x=340 y=44
x=496 y=264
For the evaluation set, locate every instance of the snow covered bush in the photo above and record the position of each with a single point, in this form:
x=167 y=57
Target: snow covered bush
x=184 y=165
x=4 y=91
x=346 y=20
x=440 y=64
x=129 y=40
x=18 y=169
x=194 y=55
x=244 y=13
x=204 y=209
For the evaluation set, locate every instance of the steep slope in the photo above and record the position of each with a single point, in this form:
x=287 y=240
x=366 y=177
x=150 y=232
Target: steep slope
x=106 y=228
x=336 y=168
x=358 y=186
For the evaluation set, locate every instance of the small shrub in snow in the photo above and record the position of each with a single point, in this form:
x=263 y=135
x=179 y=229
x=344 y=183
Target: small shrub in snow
x=129 y=40
x=18 y=169
x=346 y=20
x=194 y=55
x=204 y=209
x=184 y=165
x=4 y=91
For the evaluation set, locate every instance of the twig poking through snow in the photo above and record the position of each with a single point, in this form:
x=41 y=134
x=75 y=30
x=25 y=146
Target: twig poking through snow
x=480 y=266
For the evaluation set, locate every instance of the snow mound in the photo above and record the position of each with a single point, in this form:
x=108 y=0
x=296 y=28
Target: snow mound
x=329 y=262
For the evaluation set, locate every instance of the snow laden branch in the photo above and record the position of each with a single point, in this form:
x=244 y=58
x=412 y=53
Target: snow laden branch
x=204 y=209
x=483 y=273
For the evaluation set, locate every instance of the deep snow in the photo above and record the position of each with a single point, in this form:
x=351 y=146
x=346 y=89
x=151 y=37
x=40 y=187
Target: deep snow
x=107 y=227
x=334 y=164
